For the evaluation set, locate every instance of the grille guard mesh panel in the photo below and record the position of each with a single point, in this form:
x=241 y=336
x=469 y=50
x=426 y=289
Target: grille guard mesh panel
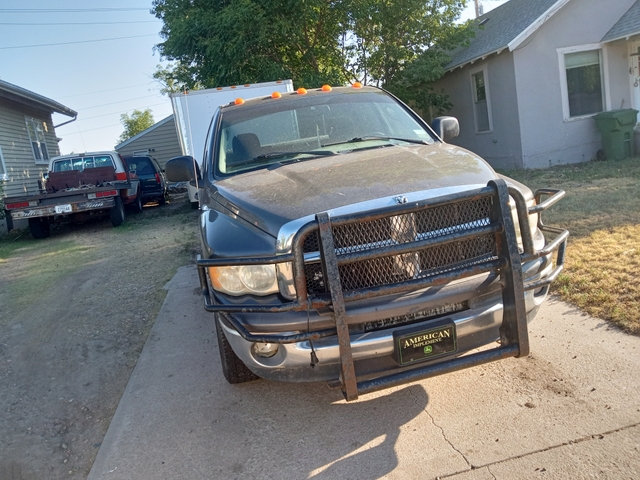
x=371 y=235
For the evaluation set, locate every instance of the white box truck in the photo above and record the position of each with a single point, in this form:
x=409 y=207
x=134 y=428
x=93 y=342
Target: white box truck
x=194 y=110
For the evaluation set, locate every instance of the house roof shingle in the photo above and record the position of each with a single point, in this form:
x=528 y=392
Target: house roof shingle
x=27 y=97
x=503 y=25
x=629 y=24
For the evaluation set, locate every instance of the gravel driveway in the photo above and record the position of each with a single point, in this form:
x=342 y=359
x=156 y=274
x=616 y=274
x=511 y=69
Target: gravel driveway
x=76 y=310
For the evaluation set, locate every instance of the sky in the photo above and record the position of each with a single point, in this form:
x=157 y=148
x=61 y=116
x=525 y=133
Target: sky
x=94 y=57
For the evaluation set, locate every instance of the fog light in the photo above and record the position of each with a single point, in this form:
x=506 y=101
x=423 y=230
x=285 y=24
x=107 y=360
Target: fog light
x=265 y=350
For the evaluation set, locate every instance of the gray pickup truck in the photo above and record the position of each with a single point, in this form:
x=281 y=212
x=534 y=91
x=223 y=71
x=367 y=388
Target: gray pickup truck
x=344 y=241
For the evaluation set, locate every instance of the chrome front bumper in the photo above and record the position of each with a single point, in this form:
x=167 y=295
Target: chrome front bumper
x=373 y=351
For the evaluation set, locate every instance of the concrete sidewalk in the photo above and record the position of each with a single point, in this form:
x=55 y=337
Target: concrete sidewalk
x=569 y=410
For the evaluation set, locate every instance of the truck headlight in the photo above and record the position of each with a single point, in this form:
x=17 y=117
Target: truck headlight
x=243 y=280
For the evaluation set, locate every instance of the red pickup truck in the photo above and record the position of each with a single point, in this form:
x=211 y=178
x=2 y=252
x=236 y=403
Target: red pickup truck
x=78 y=186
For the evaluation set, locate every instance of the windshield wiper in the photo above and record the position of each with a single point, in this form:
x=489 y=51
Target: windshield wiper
x=377 y=137
x=270 y=156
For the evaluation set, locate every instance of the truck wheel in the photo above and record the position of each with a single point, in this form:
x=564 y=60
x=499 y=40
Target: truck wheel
x=39 y=227
x=117 y=213
x=136 y=206
x=232 y=367
x=162 y=200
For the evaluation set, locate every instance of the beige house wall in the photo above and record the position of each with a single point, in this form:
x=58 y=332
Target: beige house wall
x=21 y=166
x=160 y=140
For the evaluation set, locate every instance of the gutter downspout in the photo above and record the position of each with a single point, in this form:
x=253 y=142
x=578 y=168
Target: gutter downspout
x=75 y=117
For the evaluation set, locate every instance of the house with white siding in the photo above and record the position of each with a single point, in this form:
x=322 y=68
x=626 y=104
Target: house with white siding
x=27 y=138
x=526 y=88
x=159 y=141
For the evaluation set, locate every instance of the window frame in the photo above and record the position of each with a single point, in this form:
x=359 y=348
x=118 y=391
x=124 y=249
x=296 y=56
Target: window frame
x=485 y=73
x=44 y=155
x=4 y=176
x=606 y=99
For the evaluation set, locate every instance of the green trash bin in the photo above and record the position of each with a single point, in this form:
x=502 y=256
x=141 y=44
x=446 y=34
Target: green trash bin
x=616 y=127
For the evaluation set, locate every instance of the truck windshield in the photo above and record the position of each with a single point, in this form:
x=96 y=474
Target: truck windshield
x=294 y=128
x=82 y=163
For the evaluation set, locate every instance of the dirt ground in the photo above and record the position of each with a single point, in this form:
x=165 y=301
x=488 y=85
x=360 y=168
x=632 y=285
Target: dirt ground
x=75 y=312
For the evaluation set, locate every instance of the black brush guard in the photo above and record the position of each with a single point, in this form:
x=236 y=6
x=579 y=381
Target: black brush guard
x=514 y=340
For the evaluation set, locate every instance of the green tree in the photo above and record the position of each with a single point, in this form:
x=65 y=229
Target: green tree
x=138 y=122
x=388 y=36
x=412 y=83
x=174 y=78
x=230 y=42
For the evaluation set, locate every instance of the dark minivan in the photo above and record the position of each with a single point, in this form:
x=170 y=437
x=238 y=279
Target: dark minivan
x=153 y=185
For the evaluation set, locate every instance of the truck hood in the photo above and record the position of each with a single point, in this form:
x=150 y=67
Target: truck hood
x=270 y=198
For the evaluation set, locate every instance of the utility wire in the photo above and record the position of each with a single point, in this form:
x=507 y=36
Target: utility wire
x=91 y=129
x=79 y=41
x=102 y=126
x=108 y=90
x=120 y=101
x=67 y=10
x=77 y=23
x=119 y=113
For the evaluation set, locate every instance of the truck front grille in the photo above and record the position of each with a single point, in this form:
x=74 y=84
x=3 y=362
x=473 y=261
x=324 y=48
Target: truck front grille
x=430 y=223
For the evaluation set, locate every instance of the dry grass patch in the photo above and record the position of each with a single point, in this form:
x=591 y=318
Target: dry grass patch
x=602 y=212
x=601 y=276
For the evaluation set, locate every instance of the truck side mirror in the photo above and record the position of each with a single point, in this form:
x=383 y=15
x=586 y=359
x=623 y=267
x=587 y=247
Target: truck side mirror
x=181 y=169
x=446 y=127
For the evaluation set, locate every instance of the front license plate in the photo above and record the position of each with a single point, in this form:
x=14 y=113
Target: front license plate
x=63 y=209
x=414 y=346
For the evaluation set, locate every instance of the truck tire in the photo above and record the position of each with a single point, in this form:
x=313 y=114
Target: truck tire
x=117 y=213
x=162 y=200
x=9 y=219
x=39 y=227
x=136 y=206
x=232 y=367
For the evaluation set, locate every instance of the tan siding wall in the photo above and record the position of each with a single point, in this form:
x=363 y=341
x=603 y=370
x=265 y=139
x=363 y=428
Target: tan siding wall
x=22 y=169
x=161 y=141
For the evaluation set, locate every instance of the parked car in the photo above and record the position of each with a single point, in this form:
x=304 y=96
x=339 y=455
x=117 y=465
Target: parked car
x=153 y=184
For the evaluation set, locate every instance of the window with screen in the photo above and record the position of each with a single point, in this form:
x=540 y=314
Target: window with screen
x=36 y=130
x=584 y=82
x=481 y=101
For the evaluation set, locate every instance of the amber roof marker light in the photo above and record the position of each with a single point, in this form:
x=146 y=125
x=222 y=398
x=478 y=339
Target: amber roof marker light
x=356 y=85
x=301 y=91
x=326 y=88
x=276 y=95
x=239 y=101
